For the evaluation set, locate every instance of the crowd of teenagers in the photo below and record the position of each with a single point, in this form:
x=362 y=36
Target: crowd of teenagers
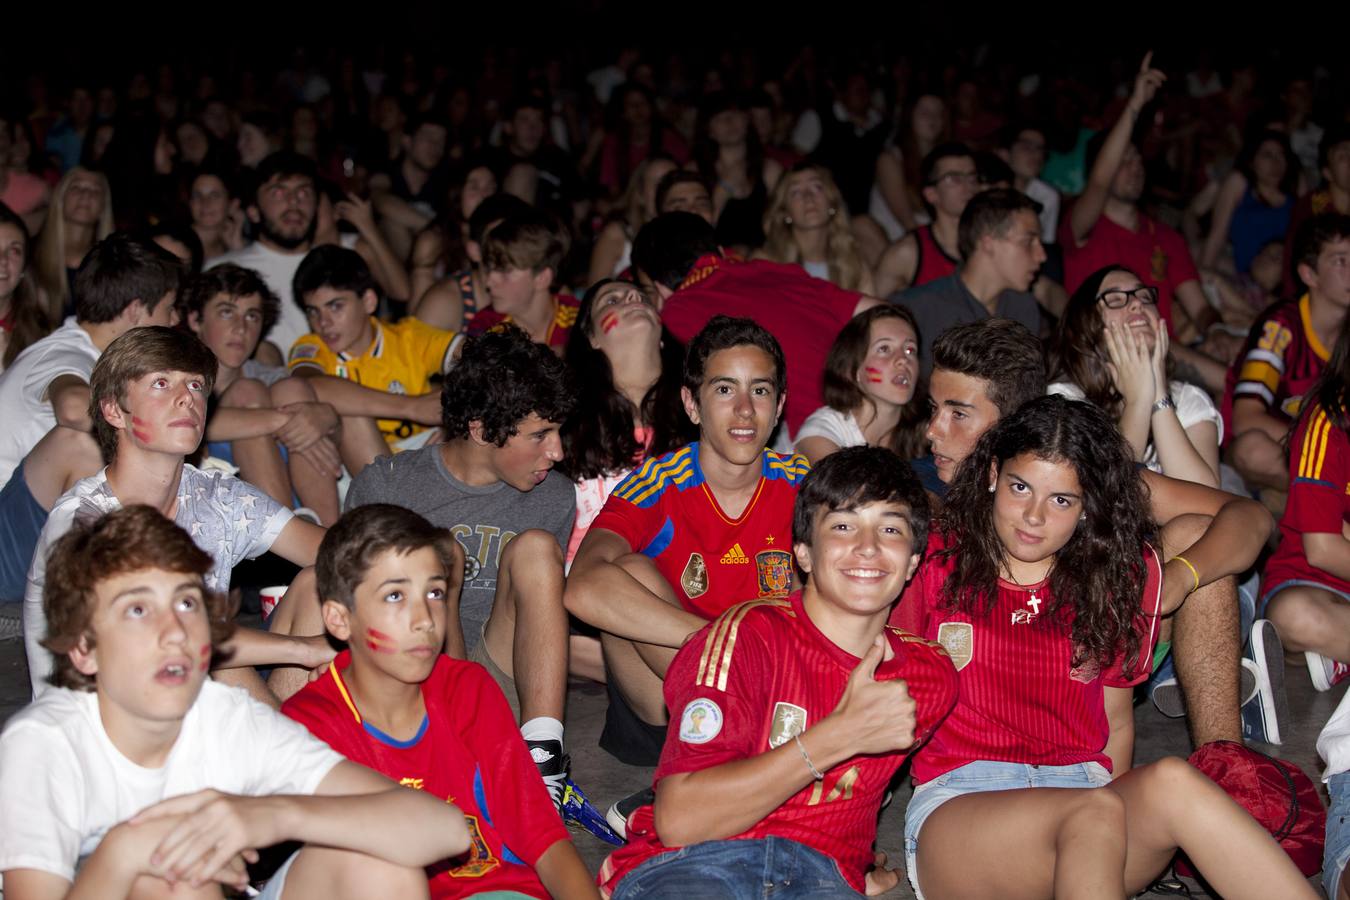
x=851 y=423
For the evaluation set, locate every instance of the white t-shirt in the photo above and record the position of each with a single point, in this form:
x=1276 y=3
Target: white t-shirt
x=278 y=270
x=1048 y=198
x=1333 y=744
x=64 y=785
x=26 y=413
x=840 y=428
x=228 y=518
x=1193 y=407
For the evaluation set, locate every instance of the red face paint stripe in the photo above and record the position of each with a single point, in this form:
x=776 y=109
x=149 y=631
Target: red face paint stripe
x=609 y=322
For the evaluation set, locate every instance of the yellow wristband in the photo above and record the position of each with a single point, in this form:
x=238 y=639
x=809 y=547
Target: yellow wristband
x=1194 y=574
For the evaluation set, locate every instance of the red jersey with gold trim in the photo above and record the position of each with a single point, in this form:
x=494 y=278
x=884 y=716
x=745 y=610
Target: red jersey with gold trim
x=1319 y=500
x=1280 y=361
x=751 y=681
x=1022 y=699
x=565 y=309
x=468 y=751
x=665 y=510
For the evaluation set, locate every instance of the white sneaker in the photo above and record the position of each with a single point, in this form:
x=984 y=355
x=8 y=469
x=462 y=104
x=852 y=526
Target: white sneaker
x=1325 y=673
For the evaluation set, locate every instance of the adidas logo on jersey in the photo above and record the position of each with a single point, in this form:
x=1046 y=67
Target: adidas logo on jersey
x=734 y=556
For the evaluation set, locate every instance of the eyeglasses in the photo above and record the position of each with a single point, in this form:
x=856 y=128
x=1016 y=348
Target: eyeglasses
x=955 y=178
x=1146 y=294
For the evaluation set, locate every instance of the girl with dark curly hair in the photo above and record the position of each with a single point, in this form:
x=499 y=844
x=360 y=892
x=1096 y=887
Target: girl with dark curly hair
x=1042 y=586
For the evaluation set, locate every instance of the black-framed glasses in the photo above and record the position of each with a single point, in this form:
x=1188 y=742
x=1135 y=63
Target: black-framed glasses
x=1120 y=298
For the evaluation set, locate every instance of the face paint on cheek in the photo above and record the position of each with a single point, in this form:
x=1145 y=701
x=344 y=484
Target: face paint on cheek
x=140 y=428
x=205 y=653
x=379 y=642
x=873 y=374
x=609 y=321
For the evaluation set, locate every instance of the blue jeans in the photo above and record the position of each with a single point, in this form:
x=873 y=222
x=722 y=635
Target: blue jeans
x=1337 y=852
x=738 y=870
x=981 y=776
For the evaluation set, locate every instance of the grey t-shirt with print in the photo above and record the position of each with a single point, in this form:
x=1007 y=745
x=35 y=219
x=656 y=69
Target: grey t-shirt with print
x=482 y=519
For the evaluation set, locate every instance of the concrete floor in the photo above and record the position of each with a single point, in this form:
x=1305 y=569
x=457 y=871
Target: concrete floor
x=605 y=780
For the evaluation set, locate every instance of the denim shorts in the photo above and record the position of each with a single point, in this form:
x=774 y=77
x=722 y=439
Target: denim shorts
x=21 y=521
x=738 y=870
x=1337 y=852
x=980 y=776
x=1297 y=582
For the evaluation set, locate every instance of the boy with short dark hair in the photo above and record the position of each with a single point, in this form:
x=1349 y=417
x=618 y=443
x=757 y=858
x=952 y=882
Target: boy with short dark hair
x=522 y=256
x=794 y=713
x=393 y=702
x=692 y=532
x=126 y=778
x=340 y=296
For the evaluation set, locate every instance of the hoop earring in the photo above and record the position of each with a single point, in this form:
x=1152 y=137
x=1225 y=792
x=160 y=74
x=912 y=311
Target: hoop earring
x=831 y=211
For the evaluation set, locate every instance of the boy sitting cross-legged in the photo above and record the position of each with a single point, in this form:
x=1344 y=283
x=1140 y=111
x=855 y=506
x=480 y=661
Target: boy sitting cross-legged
x=392 y=701
x=136 y=776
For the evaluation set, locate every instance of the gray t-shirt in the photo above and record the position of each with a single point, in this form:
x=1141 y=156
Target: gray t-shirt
x=482 y=519
x=940 y=304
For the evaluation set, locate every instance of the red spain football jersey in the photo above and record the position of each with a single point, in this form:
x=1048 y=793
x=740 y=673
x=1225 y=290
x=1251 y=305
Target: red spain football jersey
x=747 y=684
x=1280 y=361
x=665 y=510
x=1319 y=500
x=565 y=309
x=468 y=751
x=1022 y=700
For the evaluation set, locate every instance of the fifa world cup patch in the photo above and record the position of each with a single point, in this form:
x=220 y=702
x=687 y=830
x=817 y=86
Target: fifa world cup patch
x=774 y=569
x=958 y=639
x=700 y=722
x=789 y=720
x=694 y=578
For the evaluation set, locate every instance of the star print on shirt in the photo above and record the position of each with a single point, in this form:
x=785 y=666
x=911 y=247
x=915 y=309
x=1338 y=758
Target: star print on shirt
x=242 y=525
x=248 y=501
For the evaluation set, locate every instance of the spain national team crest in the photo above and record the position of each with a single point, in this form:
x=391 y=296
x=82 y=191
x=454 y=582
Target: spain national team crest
x=958 y=639
x=775 y=572
x=789 y=720
x=694 y=578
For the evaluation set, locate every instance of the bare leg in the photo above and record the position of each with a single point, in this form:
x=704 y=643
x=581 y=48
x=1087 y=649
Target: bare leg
x=1310 y=618
x=362 y=443
x=639 y=669
x=1261 y=463
x=258 y=458
x=61 y=458
x=1171 y=805
x=150 y=888
x=316 y=490
x=1036 y=843
x=298 y=613
x=526 y=634
x=585 y=658
x=1206 y=646
x=248 y=678
x=341 y=874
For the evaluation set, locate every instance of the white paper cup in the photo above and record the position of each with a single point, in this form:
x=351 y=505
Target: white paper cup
x=269 y=597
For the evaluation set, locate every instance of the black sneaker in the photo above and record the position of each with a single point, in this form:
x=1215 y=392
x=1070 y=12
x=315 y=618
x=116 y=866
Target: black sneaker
x=552 y=764
x=618 y=814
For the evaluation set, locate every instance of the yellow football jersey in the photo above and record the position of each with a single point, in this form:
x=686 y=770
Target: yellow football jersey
x=401 y=360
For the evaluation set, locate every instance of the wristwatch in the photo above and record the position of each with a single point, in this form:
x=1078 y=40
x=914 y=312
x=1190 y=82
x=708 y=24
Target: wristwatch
x=1164 y=403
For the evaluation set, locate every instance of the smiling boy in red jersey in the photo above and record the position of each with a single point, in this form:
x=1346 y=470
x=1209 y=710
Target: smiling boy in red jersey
x=795 y=713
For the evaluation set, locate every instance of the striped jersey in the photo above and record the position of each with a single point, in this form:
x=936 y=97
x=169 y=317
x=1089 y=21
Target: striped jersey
x=468 y=752
x=1021 y=699
x=1280 y=361
x=750 y=682
x=1319 y=500
x=665 y=510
